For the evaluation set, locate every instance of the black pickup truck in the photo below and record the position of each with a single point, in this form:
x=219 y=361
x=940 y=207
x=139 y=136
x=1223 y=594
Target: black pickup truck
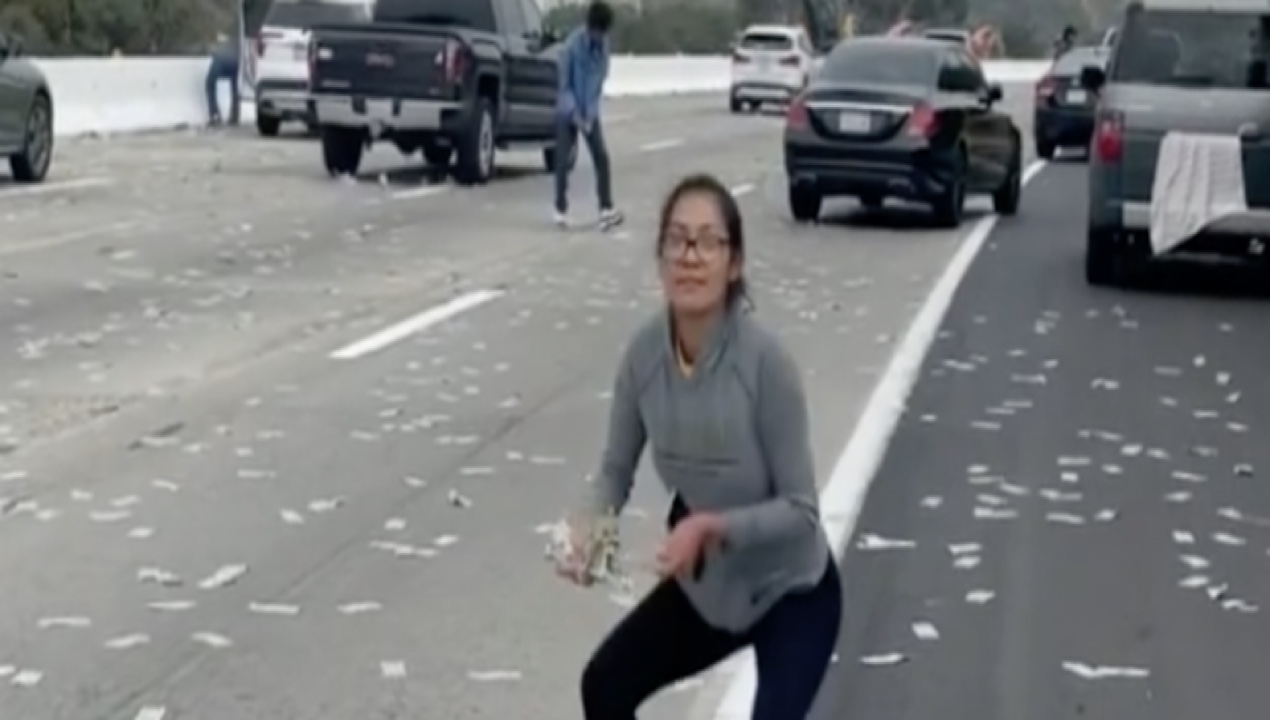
x=456 y=79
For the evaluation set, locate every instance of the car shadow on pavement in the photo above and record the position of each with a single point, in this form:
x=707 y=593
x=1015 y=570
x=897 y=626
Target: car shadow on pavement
x=416 y=175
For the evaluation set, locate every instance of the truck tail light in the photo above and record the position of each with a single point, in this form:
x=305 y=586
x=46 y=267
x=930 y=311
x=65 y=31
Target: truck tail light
x=455 y=61
x=1109 y=136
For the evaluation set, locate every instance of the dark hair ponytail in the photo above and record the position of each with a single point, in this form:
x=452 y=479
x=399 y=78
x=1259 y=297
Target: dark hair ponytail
x=738 y=289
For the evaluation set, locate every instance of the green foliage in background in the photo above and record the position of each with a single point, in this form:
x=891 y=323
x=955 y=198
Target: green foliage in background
x=131 y=27
x=148 y=27
x=693 y=29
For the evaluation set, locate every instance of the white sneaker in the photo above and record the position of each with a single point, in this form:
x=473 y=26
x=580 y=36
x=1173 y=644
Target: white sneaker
x=561 y=219
x=611 y=217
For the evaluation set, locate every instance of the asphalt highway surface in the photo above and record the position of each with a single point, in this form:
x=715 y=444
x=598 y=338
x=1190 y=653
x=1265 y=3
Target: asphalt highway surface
x=1072 y=520
x=235 y=482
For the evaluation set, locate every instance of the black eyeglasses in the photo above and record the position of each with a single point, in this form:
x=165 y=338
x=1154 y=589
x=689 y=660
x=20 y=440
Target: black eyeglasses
x=675 y=245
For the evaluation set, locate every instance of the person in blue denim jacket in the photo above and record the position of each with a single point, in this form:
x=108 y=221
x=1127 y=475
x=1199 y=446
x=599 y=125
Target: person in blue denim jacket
x=583 y=69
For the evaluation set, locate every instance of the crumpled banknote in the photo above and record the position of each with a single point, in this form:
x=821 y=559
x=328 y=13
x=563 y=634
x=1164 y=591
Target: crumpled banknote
x=606 y=564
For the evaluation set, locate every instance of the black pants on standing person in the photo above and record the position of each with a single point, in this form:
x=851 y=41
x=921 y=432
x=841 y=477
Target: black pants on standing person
x=664 y=640
x=567 y=138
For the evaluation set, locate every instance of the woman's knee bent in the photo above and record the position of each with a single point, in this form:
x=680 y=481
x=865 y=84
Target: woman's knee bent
x=604 y=694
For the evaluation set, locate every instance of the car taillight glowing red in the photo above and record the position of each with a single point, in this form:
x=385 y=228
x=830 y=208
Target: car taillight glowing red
x=796 y=115
x=923 y=122
x=455 y=60
x=1045 y=88
x=1109 y=137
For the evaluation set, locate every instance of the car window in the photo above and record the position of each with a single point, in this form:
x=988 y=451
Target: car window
x=1194 y=48
x=878 y=63
x=299 y=15
x=960 y=74
x=1072 y=63
x=767 y=42
x=472 y=14
x=947 y=37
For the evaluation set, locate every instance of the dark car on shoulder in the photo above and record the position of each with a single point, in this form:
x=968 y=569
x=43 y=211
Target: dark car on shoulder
x=1063 y=114
x=26 y=113
x=905 y=118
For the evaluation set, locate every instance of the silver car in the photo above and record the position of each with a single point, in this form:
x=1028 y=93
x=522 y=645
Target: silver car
x=1191 y=71
x=26 y=113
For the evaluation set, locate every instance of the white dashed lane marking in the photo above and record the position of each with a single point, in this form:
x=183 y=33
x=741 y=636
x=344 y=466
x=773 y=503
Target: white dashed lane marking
x=397 y=332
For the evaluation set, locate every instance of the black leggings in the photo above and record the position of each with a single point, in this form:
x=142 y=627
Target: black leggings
x=664 y=640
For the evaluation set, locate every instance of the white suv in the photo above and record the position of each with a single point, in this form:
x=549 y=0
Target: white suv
x=770 y=63
x=282 y=57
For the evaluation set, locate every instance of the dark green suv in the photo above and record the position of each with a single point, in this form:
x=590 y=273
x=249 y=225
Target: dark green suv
x=26 y=113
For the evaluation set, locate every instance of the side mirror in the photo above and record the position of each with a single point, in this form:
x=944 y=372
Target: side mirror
x=995 y=93
x=1093 y=78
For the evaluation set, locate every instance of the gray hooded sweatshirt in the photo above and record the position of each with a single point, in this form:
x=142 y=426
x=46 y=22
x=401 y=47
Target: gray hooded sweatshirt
x=732 y=438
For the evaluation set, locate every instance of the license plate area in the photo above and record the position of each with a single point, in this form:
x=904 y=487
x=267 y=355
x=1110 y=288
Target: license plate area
x=855 y=123
x=1077 y=97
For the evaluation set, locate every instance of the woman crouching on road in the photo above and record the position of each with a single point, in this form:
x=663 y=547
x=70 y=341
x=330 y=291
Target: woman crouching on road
x=746 y=562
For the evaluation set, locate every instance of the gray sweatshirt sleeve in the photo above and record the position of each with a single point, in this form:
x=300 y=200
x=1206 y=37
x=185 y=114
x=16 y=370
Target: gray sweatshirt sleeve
x=625 y=443
x=784 y=433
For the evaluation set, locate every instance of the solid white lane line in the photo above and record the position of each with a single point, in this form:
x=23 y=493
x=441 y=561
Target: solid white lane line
x=661 y=145
x=428 y=318
x=844 y=493
x=46 y=188
x=742 y=190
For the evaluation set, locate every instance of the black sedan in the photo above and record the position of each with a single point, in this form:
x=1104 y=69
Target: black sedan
x=907 y=118
x=1064 y=110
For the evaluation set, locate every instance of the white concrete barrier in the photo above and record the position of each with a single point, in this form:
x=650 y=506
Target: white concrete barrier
x=115 y=95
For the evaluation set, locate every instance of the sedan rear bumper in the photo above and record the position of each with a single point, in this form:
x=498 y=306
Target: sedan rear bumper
x=1063 y=127
x=769 y=91
x=901 y=173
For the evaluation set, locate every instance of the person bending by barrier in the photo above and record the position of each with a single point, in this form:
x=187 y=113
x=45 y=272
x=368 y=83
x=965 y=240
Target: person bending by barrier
x=583 y=69
x=746 y=562
x=224 y=65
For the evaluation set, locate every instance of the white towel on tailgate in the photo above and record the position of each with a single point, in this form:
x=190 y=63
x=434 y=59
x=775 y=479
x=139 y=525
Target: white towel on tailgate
x=1199 y=179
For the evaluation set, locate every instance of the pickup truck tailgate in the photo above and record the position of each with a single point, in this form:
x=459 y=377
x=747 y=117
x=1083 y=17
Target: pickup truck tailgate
x=381 y=61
